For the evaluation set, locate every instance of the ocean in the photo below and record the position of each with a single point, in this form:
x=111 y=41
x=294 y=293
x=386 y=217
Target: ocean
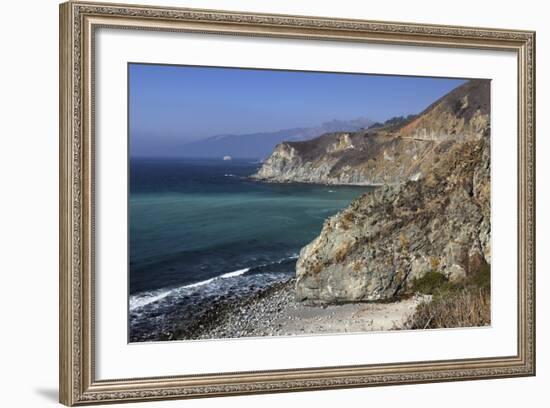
x=200 y=229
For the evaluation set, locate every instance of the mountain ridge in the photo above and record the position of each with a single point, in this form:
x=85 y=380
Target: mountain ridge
x=260 y=144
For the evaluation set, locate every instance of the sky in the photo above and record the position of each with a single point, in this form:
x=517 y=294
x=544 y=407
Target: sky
x=176 y=104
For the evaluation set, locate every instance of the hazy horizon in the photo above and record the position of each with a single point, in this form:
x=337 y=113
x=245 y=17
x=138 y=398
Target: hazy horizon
x=170 y=106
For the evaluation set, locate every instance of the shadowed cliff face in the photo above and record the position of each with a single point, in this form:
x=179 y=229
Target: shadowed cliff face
x=387 y=155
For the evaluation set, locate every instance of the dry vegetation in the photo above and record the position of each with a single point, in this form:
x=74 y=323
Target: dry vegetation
x=465 y=304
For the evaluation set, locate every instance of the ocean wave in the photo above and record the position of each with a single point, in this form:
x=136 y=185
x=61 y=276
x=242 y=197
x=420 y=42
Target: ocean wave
x=238 y=272
x=142 y=299
x=139 y=301
x=281 y=261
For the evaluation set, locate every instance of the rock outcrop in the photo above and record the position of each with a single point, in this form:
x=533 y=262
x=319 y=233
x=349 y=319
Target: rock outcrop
x=385 y=155
x=374 y=249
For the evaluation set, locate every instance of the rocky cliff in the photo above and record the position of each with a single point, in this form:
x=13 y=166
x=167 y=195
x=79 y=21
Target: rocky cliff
x=375 y=248
x=385 y=155
x=431 y=213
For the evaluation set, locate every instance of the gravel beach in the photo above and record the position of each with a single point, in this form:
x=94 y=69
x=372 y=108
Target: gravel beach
x=275 y=312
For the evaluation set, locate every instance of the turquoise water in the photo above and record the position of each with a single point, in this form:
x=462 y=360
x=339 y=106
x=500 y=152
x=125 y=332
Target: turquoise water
x=200 y=228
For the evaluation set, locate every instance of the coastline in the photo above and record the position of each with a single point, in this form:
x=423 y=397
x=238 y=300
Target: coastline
x=275 y=312
x=318 y=183
x=427 y=230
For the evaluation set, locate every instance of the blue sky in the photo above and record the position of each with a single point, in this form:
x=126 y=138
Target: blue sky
x=175 y=104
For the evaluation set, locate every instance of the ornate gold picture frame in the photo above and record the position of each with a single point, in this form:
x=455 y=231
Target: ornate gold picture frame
x=78 y=24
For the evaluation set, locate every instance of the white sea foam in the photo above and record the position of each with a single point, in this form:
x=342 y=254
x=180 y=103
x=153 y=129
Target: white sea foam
x=234 y=273
x=138 y=301
x=144 y=299
x=224 y=276
x=201 y=283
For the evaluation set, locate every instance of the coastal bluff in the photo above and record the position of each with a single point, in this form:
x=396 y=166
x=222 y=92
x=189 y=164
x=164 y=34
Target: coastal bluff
x=375 y=248
x=430 y=213
x=385 y=154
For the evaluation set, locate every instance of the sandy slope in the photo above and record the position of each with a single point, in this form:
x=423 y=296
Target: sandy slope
x=346 y=318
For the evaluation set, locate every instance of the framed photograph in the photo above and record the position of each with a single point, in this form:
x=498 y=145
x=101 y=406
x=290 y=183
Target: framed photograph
x=260 y=203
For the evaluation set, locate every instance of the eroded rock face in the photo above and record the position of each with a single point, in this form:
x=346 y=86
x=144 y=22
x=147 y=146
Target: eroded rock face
x=286 y=165
x=373 y=249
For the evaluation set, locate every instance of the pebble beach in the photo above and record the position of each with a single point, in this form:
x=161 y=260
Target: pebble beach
x=275 y=312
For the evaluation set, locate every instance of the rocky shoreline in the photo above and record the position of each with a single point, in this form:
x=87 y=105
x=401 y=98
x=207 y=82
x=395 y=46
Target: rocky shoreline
x=276 y=312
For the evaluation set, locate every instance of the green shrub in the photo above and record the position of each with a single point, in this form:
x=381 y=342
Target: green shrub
x=482 y=278
x=436 y=283
x=430 y=283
